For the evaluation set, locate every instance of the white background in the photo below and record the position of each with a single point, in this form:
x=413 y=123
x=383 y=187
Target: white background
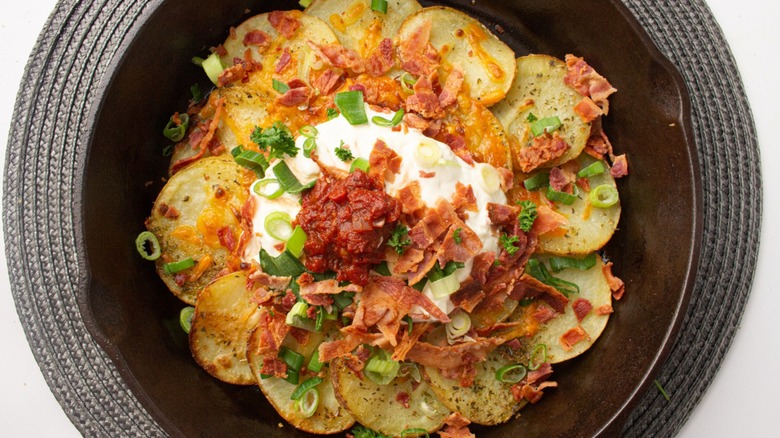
x=743 y=397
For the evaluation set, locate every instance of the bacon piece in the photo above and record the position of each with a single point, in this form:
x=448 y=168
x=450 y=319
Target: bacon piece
x=273 y=366
x=529 y=287
x=284 y=61
x=327 y=82
x=226 y=238
x=543 y=149
x=529 y=392
x=540 y=374
x=269 y=281
x=285 y=22
x=317 y=293
x=458 y=145
x=200 y=141
x=452 y=356
x=424 y=101
x=403 y=398
x=451 y=88
x=297 y=94
x=385 y=301
x=581 y=308
x=432 y=225
x=257 y=38
x=408 y=340
x=606 y=309
x=502 y=215
x=352 y=339
x=619 y=166
x=456 y=426
x=616 y=285
x=288 y=301
x=168 y=211
x=409 y=196
x=507 y=178
x=261 y=296
x=417 y=55
x=384 y=162
x=235 y=73
x=450 y=250
x=381 y=60
x=588 y=110
x=575 y=335
x=415 y=121
x=547 y=220
x=562 y=179
x=543 y=313
x=464 y=200
x=273 y=329
x=339 y=56
x=464 y=374
x=583 y=78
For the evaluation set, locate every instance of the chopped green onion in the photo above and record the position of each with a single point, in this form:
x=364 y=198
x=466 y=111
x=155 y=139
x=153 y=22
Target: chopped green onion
x=305 y=386
x=268 y=188
x=332 y=113
x=296 y=241
x=296 y=317
x=661 y=389
x=397 y=117
x=147 y=245
x=293 y=359
x=407 y=82
x=307 y=405
x=380 y=369
x=562 y=197
x=459 y=325
x=427 y=154
x=280 y=86
x=547 y=124
x=379 y=6
x=538 y=357
x=382 y=269
x=309 y=131
x=557 y=264
x=309 y=145
x=359 y=163
x=537 y=181
x=343 y=299
x=252 y=160
x=185 y=318
x=511 y=373
x=445 y=286
x=197 y=95
x=539 y=271
x=319 y=321
x=409 y=324
x=212 y=66
x=174 y=267
x=288 y=179
x=414 y=432
x=596 y=168
x=278 y=225
x=284 y=265
x=175 y=132
x=603 y=196
x=292 y=376
x=351 y=105
x=410 y=369
x=315 y=365
x=489 y=178
x=304 y=3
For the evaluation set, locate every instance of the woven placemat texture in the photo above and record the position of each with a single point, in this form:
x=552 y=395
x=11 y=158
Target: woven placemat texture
x=41 y=204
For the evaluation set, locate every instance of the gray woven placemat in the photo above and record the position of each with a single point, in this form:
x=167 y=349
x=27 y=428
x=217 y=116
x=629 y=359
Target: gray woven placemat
x=45 y=157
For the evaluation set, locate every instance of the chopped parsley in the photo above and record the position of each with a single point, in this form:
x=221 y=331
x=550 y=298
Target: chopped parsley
x=508 y=243
x=277 y=140
x=332 y=113
x=456 y=236
x=399 y=239
x=531 y=118
x=343 y=153
x=361 y=431
x=527 y=215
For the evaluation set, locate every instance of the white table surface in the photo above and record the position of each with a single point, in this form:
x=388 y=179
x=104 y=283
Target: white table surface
x=743 y=396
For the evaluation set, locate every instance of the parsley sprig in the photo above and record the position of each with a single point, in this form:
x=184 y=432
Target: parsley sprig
x=527 y=215
x=399 y=240
x=343 y=153
x=277 y=140
x=508 y=243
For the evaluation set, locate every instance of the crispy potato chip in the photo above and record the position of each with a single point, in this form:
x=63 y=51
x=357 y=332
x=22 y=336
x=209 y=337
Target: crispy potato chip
x=192 y=208
x=224 y=318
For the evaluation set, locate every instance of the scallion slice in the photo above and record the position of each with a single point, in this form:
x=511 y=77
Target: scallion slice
x=296 y=241
x=511 y=373
x=315 y=365
x=351 y=105
x=380 y=369
x=414 y=432
x=379 y=6
x=309 y=145
x=197 y=95
x=148 y=246
x=308 y=403
x=213 y=67
x=539 y=271
x=410 y=369
x=304 y=3
x=278 y=225
x=359 y=163
x=538 y=181
x=397 y=117
x=603 y=196
x=308 y=131
x=557 y=264
x=175 y=267
x=305 y=386
x=284 y=265
x=280 y=86
x=185 y=318
x=407 y=82
x=288 y=180
x=595 y=168
x=252 y=160
x=562 y=197
x=268 y=188
x=427 y=154
x=174 y=131
x=445 y=286
x=459 y=325
x=547 y=124
x=293 y=359
x=538 y=357
x=332 y=113
x=489 y=178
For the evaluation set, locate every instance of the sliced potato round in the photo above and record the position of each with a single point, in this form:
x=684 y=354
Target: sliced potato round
x=357 y=26
x=594 y=288
x=488 y=401
x=311 y=29
x=488 y=64
x=245 y=108
x=330 y=416
x=194 y=205
x=224 y=318
x=589 y=228
x=376 y=406
x=539 y=89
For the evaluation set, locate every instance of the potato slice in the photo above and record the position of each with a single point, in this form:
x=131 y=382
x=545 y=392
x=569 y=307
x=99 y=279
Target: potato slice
x=376 y=406
x=488 y=64
x=192 y=208
x=539 y=89
x=224 y=318
x=488 y=401
x=330 y=416
x=589 y=228
x=594 y=288
x=357 y=26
